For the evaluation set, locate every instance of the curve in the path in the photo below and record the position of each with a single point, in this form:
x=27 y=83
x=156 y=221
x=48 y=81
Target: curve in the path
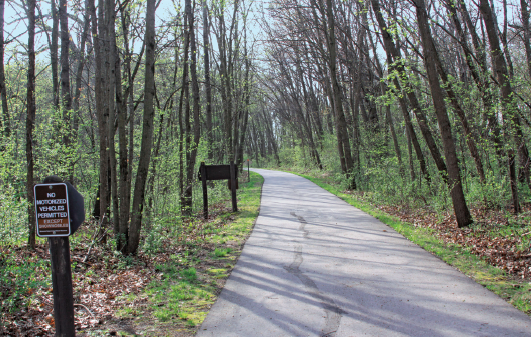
x=316 y=266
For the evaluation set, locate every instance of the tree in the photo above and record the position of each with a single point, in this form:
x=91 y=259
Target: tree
x=3 y=94
x=462 y=213
x=192 y=146
x=147 y=132
x=30 y=120
x=510 y=113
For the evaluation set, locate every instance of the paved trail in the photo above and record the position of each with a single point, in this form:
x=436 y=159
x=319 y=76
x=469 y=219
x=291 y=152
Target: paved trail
x=316 y=266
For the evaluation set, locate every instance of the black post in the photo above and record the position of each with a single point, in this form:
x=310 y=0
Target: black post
x=202 y=170
x=248 y=172
x=63 y=298
x=233 y=186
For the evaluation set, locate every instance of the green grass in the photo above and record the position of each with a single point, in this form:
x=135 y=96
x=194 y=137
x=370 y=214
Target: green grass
x=516 y=292
x=178 y=299
x=19 y=280
x=218 y=273
x=182 y=295
x=222 y=252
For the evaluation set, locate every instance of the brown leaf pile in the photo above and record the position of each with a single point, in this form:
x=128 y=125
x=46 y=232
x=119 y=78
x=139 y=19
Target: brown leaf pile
x=97 y=285
x=492 y=237
x=100 y=279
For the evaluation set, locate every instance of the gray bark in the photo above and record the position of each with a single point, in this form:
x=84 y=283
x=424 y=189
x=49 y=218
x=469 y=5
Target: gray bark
x=147 y=132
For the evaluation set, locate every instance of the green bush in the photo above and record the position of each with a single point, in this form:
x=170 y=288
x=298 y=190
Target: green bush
x=18 y=281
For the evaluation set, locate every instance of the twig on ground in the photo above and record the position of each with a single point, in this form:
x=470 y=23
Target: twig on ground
x=94 y=239
x=87 y=309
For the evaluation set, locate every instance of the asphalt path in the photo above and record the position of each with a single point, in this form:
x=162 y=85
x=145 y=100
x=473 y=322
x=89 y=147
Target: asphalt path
x=316 y=266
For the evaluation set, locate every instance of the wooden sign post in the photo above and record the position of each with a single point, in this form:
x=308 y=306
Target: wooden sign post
x=218 y=172
x=55 y=202
x=248 y=172
x=203 y=177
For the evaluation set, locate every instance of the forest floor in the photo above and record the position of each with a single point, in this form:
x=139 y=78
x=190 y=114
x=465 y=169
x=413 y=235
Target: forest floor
x=165 y=291
x=495 y=250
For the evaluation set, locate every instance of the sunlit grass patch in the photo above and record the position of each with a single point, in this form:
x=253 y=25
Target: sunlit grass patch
x=218 y=272
x=222 y=252
x=178 y=294
x=188 y=281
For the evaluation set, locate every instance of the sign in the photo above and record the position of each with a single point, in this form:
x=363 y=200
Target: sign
x=51 y=210
x=216 y=172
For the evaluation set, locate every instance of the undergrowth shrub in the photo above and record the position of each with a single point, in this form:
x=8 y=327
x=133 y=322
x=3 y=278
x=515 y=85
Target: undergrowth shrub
x=18 y=282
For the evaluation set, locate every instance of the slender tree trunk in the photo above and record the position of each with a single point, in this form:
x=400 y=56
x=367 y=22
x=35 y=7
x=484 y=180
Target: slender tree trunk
x=5 y=111
x=410 y=155
x=469 y=136
x=54 y=53
x=184 y=96
x=512 y=178
x=79 y=78
x=208 y=86
x=392 y=54
x=124 y=188
x=99 y=36
x=30 y=120
x=527 y=34
x=341 y=125
x=390 y=122
x=186 y=202
x=307 y=121
x=270 y=136
x=462 y=213
x=154 y=162
x=114 y=109
x=389 y=118
x=482 y=83
x=510 y=116
x=147 y=131
x=196 y=108
x=66 y=98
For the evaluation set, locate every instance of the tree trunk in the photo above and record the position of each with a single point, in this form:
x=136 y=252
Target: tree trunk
x=98 y=34
x=482 y=83
x=54 y=53
x=190 y=165
x=527 y=34
x=66 y=98
x=208 y=86
x=514 y=181
x=184 y=96
x=30 y=121
x=399 y=67
x=469 y=136
x=341 y=125
x=510 y=116
x=462 y=213
x=393 y=57
x=3 y=95
x=124 y=188
x=410 y=155
x=147 y=131
x=225 y=53
x=114 y=109
x=79 y=78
